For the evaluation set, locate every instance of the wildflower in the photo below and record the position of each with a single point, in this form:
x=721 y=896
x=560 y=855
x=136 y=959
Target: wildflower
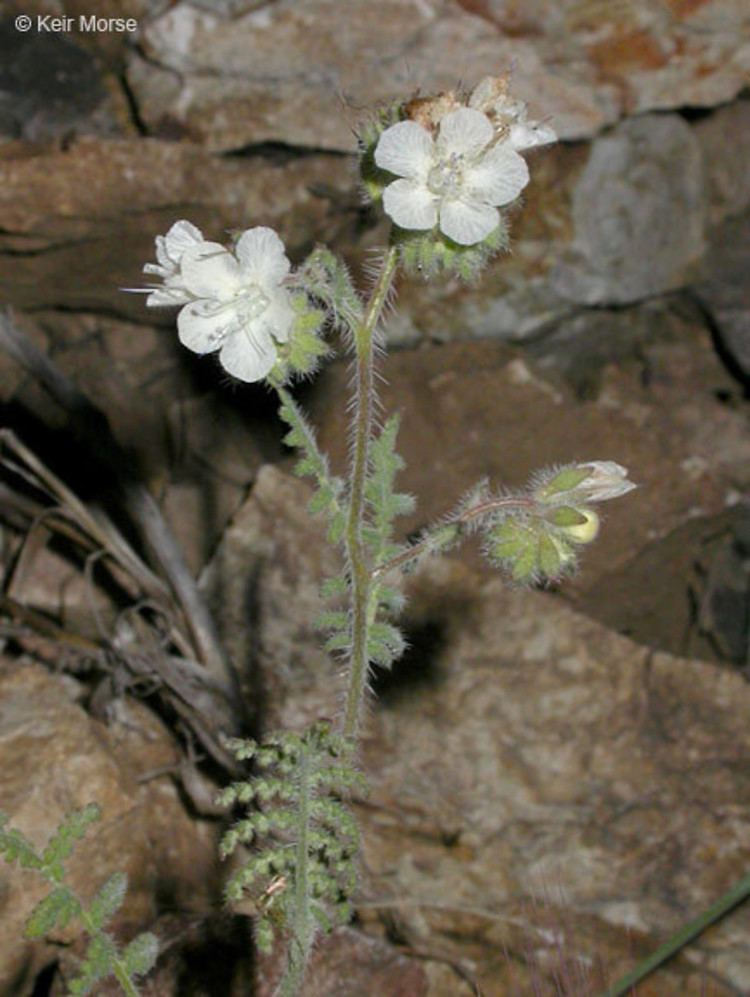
x=233 y=301
x=169 y=251
x=594 y=481
x=539 y=542
x=456 y=180
x=509 y=117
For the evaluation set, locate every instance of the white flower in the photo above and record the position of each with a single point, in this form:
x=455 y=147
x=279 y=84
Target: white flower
x=606 y=480
x=508 y=116
x=238 y=305
x=234 y=302
x=457 y=180
x=169 y=251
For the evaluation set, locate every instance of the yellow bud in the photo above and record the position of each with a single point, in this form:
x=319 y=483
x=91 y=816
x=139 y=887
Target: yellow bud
x=582 y=533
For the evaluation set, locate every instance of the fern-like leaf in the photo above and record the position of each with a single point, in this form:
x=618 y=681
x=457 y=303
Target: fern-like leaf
x=302 y=873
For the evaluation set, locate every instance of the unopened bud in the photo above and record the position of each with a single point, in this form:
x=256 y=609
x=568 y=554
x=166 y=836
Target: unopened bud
x=594 y=481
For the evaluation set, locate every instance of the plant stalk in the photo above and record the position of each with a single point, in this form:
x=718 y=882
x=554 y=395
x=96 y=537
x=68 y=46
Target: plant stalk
x=688 y=933
x=302 y=927
x=360 y=571
x=461 y=519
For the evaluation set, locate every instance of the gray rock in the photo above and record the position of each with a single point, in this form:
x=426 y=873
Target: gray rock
x=724 y=138
x=639 y=213
x=50 y=87
x=283 y=71
x=726 y=290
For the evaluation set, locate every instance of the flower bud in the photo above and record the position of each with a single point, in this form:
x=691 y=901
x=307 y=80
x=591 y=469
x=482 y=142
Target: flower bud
x=594 y=481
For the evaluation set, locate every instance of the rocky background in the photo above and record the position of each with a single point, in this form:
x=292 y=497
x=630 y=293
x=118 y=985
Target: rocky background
x=560 y=778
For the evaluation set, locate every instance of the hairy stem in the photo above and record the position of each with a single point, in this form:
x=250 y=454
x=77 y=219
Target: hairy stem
x=460 y=519
x=302 y=925
x=690 y=931
x=360 y=572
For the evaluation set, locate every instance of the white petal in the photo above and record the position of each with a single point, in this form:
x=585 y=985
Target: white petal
x=167 y=296
x=262 y=257
x=465 y=131
x=202 y=327
x=405 y=149
x=248 y=353
x=467 y=222
x=180 y=237
x=278 y=318
x=498 y=178
x=156 y=269
x=209 y=271
x=529 y=134
x=410 y=205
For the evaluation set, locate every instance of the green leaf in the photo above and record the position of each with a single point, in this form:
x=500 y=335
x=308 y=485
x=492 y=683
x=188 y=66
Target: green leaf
x=564 y=481
x=108 y=900
x=72 y=829
x=141 y=954
x=565 y=515
x=97 y=964
x=550 y=561
x=55 y=910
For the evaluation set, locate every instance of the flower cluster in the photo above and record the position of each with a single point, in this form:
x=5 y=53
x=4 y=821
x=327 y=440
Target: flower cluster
x=236 y=301
x=538 y=541
x=458 y=162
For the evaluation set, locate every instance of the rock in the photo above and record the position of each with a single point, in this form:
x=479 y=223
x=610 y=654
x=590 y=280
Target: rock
x=51 y=87
x=348 y=963
x=725 y=291
x=547 y=795
x=470 y=410
x=263 y=586
x=639 y=221
x=727 y=176
x=686 y=593
x=263 y=76
x=530 y=753
x=56 y=758
x=80 y=223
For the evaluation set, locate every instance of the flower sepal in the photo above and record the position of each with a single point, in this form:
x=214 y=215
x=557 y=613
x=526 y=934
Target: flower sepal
x=428 y=254
x=302 y=353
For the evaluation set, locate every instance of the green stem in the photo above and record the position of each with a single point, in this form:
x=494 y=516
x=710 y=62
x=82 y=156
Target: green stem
x=420 y=547
x=302 y=926
x=360 y=571
x=681 y=938
x=118 y=968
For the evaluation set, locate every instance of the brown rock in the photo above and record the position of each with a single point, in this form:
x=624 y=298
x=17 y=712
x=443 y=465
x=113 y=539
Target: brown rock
x=85 y=218
x=55 y=759
x=348 y=963
x=534 y=753
x=584 y=65
x=263 y=585
x=470 y=410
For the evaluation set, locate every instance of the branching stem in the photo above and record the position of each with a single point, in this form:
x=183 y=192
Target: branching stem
x=461 y=519
x=360 y=571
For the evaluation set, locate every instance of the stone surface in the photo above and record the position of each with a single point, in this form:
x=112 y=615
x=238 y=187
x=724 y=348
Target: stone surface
x=533 y=752
x=52 y=88
x=79 y=223
x=639 y=215
x=266 y=554
x=349 y=963
x=727 y=174
x=549 y=799
x=470 y=410
x=264 y=76
x=725 y=291
x=56 y=758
